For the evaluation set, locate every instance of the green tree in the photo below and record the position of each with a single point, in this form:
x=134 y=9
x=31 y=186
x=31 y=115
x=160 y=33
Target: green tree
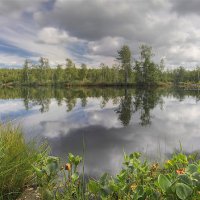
x=125 y=108
x=43 y=68
x=44 y=63
x=197 y=74
x=25 y=72
x=124 y=56
x=179 y=75
x=146 y=70
x=70 y=71
x=83 y=72
x=58 y=75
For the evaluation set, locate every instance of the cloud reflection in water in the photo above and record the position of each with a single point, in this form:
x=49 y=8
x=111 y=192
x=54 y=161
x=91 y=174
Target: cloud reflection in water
x=106 y=136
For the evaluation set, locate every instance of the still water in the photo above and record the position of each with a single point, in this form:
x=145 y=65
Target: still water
x=109 y=121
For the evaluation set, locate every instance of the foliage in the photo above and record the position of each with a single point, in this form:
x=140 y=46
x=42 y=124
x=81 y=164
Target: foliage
x=41 y=74
x=143 y=72
x=16 y=158
x=178 y=178
x=57 y=182
x=141 y=180
x=21 y=165
x=124 y=56
x=147 y=72
x=127 y=101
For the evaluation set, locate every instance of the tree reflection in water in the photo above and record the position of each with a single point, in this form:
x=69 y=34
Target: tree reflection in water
x=129 y=101
x=145 y=101
x=125 y=108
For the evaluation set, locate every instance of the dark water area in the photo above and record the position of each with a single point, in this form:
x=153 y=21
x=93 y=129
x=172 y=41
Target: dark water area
x=110 y=121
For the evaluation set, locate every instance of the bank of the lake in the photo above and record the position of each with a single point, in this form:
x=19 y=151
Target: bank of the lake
x=86 y=84
x=184 y=85
x=23 y=165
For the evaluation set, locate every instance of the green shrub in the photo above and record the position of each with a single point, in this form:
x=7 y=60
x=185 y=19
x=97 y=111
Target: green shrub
x=57 y=182
x=178 y=178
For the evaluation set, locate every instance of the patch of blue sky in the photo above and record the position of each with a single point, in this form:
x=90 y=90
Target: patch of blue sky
x=45 y=6
x=48 y=5
x=78 y=116
x=10 y=49
x=15 y=115
x=27 y=16
x=12 y=109
x=79 y=50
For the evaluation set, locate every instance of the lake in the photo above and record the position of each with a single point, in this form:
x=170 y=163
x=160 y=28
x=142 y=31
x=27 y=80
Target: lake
x=107 y=121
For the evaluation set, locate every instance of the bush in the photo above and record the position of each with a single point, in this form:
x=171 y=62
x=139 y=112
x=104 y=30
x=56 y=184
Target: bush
x=178 y=178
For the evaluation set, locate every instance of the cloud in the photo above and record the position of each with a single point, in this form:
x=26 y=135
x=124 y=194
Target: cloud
x=185 y=7
x=11 y=110
x=107 y=46
x=107 y=25
x=12 y=8
x=50 y=35
x=100 y=18
x=25 y=38
x=92 y=31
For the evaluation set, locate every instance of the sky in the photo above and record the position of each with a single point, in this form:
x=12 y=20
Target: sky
x=91 y=31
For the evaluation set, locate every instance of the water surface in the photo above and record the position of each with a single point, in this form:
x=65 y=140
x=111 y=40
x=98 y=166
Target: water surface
x=108 y=120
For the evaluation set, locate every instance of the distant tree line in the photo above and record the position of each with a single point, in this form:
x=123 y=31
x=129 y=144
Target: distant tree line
x=143 y=72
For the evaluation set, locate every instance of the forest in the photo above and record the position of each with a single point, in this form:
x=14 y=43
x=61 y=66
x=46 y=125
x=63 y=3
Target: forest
x=141 y=72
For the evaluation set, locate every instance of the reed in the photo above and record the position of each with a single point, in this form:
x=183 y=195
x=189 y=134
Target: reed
x=16 y=159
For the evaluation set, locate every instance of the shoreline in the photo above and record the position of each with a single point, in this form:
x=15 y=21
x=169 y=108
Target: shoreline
x=187 y=86
x=139 y=178
x=66 y=85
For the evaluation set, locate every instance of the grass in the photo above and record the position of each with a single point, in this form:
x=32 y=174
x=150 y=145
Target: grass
x=16 y=160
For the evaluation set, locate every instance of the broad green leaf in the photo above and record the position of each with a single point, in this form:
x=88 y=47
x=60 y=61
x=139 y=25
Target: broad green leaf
x=196 y=178
x=192 y=168
x=164 y=182
x=185 y=179
x=183 y=191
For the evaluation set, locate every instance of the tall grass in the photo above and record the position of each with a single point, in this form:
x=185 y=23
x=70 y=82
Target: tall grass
x=16 y=159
